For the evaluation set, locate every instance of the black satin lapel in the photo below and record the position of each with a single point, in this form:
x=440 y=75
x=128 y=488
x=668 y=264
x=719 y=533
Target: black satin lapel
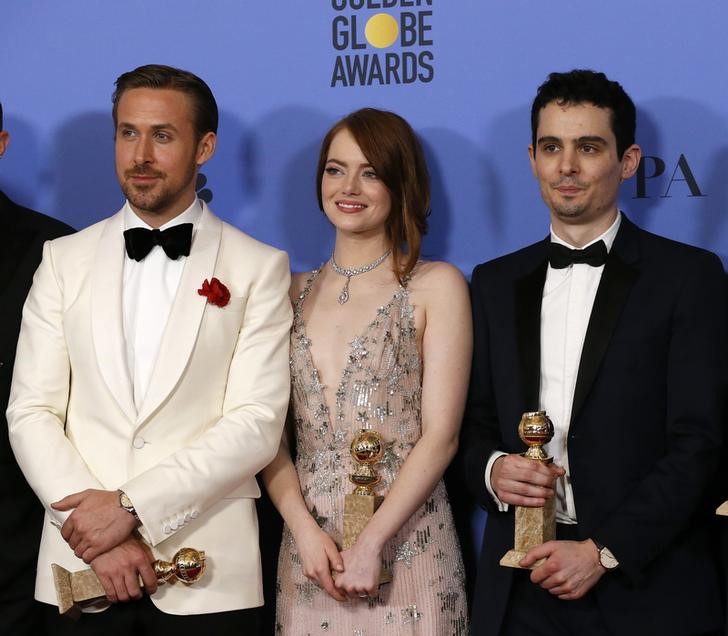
x=617 y=281
x=528 y=297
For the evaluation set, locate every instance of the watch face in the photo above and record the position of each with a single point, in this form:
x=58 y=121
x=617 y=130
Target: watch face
x=125 y=501
x=606 y=558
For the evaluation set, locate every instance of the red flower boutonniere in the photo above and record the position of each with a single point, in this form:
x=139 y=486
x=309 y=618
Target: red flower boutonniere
x=215 y=292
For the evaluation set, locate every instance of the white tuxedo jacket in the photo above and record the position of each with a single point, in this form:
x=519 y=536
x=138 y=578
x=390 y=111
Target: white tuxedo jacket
x=211 y=419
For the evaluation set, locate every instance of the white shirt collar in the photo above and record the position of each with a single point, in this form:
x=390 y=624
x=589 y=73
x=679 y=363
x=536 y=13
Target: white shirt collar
x=191 y=215
x=608 y=236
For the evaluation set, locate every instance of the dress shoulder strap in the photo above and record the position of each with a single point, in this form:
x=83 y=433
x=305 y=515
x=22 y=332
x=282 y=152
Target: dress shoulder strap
x=307 y=288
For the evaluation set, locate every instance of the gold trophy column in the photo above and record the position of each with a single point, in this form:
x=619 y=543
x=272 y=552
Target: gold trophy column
x=534 y=526
x=359 y=507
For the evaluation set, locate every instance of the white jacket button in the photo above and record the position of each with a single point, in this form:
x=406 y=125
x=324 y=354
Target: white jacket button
x=138 y=443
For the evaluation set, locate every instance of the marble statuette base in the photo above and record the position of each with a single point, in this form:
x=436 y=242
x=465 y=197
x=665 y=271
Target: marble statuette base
x=73 y=588
x=534 y=526
x=358 y=510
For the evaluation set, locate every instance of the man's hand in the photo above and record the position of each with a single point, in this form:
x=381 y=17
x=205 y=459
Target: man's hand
x=97 y=523
x=521 y=481
x=571 y=568
x=119 y=570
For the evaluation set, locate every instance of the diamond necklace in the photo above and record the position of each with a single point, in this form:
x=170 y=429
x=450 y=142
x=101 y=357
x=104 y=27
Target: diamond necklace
x=343 y=271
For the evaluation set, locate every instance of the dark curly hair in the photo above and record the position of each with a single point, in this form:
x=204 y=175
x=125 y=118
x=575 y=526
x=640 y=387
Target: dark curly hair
x=584 y=86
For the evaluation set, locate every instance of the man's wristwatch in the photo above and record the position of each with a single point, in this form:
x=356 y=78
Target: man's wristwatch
x=127 y=505
x=606 y=558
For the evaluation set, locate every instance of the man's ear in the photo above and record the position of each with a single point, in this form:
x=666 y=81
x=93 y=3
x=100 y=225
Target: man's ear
x=532 y=157
x=631 y=161
x=206 y=147
x=4 y=141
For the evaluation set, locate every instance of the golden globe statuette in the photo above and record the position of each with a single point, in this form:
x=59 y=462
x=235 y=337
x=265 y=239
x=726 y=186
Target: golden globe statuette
x=534 y=526
x=367 y=448
x=76 y=588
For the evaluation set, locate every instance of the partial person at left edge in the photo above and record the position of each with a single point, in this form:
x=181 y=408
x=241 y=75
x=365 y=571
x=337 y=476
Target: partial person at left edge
x=23 y=232
x=151 y=381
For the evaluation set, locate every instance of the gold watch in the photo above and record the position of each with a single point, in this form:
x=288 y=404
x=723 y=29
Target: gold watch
x=126 y=504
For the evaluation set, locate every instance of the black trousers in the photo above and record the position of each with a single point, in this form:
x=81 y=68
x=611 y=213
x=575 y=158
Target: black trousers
x=142 y=618
x=532 y=611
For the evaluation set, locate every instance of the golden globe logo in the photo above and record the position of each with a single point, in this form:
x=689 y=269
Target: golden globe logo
x=381 y=30
x=359 y=34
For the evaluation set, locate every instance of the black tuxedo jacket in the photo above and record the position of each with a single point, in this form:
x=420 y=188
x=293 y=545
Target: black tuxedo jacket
x=23 y=233
x=645 y=436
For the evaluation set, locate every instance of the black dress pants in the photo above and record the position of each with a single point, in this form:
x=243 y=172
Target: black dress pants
x=142 y=618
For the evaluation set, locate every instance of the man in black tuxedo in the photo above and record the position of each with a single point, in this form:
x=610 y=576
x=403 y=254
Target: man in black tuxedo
x=23 y=233
x=620 y=335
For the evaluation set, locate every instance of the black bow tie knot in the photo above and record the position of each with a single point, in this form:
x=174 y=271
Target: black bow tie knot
x=175 y=241
x=561 y=256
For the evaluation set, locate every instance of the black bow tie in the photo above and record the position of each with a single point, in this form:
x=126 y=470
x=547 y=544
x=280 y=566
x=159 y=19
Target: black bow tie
x=561 y=256
x=175 y=241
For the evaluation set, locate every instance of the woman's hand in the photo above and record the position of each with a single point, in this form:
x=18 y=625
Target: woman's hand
x=320 y=557
x=360 y=577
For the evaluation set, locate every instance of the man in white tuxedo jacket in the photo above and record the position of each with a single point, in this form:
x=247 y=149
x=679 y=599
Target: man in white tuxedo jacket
x=151 y=380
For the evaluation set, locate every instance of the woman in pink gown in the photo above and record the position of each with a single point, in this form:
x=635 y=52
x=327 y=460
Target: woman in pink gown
x=381 y=340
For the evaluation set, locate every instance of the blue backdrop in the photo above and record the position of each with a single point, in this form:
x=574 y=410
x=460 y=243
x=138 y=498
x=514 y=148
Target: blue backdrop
x=463 y=72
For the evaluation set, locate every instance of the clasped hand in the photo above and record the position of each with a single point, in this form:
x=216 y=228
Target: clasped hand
x=360 y=577
x=120 y=569
x=97 y=523
x=571 y=568
x=342 y=575
x=101 y=533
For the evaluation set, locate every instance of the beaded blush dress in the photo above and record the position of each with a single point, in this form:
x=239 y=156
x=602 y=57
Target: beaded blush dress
x=380 y=388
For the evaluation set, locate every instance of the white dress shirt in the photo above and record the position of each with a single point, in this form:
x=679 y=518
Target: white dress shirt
x=568 y=298
x=149 y=289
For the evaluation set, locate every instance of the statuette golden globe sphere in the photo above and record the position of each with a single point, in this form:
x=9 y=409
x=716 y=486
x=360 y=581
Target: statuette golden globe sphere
x=187 y=565
x=367 y=448
x=536 y=429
